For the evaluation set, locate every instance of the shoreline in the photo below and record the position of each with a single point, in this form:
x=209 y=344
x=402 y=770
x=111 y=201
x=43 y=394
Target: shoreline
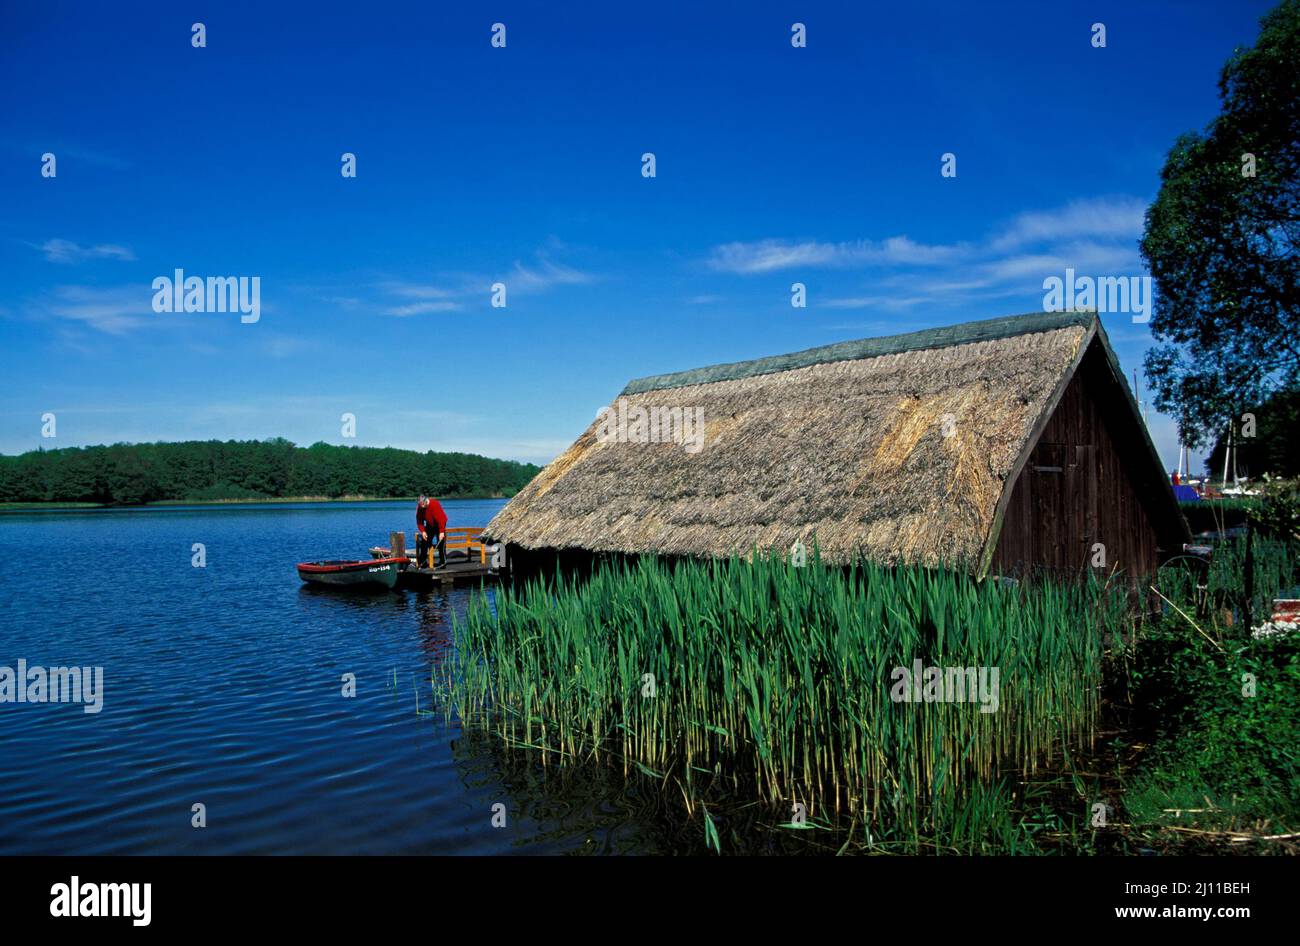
x=268 y=501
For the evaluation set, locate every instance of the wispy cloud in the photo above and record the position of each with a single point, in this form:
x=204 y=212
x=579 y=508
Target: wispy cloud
x=1099 y=218
x=66 y=251
x=449 y=292
x=420 y=308
x=416 y=291
x=543 y=275
x=765 y=256
x=115 y=311
x=1096 y=236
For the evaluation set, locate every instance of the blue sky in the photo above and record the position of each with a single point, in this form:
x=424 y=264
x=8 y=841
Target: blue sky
x=523 y=165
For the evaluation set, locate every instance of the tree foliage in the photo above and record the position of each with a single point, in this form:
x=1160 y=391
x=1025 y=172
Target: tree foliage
x=1274 y=447
x=251 y=469
x=1221 y=243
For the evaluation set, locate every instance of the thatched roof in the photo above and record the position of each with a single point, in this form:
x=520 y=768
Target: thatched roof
x=899 y=448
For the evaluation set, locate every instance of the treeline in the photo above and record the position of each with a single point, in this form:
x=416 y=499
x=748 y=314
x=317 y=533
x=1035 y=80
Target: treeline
x=1274 y=448
x=249 y=469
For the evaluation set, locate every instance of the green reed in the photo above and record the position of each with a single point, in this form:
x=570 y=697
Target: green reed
x=761 y=680
x=1276 y=571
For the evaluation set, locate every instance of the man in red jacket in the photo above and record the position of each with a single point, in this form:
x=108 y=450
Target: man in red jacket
x=431 y=522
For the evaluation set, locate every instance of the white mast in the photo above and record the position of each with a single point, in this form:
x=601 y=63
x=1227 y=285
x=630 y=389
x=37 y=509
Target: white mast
x=1227 y=451
x=1137 y=392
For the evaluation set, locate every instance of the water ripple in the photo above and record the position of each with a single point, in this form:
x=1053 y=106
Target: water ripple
x=223 y=688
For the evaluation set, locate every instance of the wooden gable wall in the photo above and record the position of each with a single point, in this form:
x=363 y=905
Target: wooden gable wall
x=1085 y=482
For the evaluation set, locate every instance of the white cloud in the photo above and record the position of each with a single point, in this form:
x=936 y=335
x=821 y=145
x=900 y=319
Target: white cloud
x=1104 y=218
x=543 y=275
x=1092 y=237
x=1084 y=225
x=66 y=251
x=455 y=291
x=420 y=308
x=901 y=249
x=765 y=256
x=414 y=291
x=871 y=302
x=115 y=311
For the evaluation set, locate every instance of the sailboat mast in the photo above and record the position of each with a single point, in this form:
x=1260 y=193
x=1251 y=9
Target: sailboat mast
x=1226 y=452
x=1137 y=392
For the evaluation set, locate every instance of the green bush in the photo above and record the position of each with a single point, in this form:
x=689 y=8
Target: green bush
x=1221 y=758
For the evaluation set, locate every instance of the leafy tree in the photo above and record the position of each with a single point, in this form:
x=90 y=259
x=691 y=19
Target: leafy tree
x=1274 y=448
x=131 y=476
x=1220 y=241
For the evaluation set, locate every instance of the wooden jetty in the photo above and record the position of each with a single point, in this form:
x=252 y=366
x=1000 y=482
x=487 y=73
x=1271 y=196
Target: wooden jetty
x=468 y=561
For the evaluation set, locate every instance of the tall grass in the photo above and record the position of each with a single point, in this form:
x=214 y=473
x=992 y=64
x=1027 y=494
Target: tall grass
x=773 y=683
x=1276 y=571
x=1216 y=514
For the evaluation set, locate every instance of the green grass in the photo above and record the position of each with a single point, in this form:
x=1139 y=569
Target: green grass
x=772 y=684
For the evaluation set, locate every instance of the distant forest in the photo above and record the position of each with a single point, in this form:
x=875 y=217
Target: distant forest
x=249 y=469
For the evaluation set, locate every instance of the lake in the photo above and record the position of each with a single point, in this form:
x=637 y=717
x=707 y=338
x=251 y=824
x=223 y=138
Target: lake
x=223 y=687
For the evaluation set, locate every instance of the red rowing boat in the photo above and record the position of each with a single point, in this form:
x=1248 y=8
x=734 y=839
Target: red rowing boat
x=350 y=574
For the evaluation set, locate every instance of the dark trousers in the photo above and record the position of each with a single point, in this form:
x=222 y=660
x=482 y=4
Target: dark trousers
x=423 y=546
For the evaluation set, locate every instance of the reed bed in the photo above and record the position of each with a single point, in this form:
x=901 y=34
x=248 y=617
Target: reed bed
x=1275 y=568
x=754 y=679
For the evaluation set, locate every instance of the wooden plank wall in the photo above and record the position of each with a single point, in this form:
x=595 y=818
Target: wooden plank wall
x=1077 y=489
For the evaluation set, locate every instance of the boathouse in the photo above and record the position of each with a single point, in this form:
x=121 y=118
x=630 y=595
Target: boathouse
x=1004 y=446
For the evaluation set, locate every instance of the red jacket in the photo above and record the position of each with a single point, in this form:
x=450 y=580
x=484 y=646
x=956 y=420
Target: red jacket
x=431 y=518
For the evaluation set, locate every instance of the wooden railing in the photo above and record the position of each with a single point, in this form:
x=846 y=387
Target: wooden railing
x=467 y=539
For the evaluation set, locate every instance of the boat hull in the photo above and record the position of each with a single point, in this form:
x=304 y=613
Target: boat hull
x=371 y=573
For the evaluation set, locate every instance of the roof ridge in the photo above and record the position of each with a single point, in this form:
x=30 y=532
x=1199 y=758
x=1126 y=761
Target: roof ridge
x=1007 y=326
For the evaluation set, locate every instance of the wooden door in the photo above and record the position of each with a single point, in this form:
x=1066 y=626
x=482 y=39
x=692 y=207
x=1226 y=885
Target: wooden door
x=1049 y=512
x=1084 y=497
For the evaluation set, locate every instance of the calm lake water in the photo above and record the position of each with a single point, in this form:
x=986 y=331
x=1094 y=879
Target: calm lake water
x=222 y=686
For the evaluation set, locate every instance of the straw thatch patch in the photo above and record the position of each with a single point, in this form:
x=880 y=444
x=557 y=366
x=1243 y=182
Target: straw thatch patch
x=902 y=456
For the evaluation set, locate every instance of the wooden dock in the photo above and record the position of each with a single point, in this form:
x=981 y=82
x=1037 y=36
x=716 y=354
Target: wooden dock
x=453 y=573
x=467 y=562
